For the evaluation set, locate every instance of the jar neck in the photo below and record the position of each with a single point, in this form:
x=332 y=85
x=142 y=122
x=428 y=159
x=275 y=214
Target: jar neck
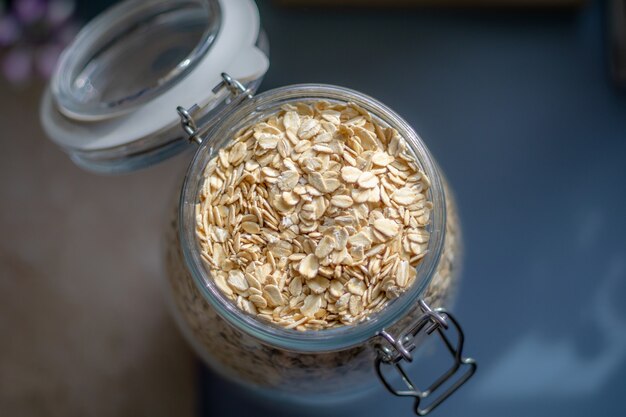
x=261 y=107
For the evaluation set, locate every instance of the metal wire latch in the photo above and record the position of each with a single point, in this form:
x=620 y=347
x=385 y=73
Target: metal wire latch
x=401 y=347
x=195 y=125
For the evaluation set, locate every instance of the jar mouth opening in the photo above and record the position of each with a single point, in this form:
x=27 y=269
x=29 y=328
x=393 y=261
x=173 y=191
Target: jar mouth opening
x=346 y=336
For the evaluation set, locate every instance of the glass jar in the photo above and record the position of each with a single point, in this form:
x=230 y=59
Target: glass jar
x=113 y=127
x=312 y=365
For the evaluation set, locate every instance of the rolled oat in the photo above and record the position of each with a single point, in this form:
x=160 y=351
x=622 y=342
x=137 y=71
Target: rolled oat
x=314 y=193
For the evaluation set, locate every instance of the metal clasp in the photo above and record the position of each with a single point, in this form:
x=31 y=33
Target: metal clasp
x=401 y=347
x=195 y=124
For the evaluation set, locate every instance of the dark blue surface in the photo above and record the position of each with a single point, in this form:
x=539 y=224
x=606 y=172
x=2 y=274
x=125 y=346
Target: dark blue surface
x=518 y=109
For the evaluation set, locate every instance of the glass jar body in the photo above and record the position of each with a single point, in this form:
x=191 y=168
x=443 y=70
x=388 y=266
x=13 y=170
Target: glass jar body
x=301 y=372
x=328 y=376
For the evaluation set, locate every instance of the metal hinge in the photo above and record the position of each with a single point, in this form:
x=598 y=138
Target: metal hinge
x=195 y=126
x=401 y=347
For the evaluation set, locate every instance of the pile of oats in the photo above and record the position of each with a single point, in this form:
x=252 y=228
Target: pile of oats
x=314 y=218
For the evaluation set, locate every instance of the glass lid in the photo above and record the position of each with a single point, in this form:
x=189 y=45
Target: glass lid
x=111 y=103
x=131 y=54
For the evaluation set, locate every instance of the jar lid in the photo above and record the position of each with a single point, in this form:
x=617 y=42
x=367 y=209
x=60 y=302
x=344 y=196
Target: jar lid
x=111 y=103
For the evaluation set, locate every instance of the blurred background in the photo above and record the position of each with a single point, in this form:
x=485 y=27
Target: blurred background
x=521 y=102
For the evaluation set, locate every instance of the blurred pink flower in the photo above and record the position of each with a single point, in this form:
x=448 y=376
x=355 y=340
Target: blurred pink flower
x=32 y=35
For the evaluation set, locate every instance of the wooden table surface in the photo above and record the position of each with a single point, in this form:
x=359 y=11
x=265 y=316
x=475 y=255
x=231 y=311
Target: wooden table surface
x=84 y=330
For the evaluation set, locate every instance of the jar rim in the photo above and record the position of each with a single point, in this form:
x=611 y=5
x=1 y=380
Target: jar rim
x=314 y=340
